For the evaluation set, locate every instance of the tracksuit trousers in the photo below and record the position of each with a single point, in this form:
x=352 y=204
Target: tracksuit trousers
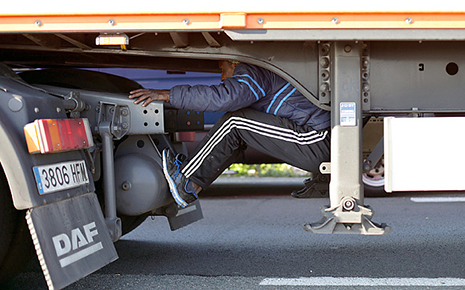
x=300 y=146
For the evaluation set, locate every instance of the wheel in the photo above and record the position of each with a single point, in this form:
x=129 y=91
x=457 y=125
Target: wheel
x=16 y=248
x=374 y=181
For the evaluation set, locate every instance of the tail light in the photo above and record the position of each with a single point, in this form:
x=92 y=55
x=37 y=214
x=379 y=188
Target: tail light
x=58 y=135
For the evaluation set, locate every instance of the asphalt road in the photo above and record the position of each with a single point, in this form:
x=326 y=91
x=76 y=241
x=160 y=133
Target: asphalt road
x=259 y=243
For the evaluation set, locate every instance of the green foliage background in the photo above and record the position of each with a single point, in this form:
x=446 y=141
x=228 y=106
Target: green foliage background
x=267 y=170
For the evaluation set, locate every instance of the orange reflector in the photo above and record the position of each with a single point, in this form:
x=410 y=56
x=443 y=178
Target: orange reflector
x=58 y=135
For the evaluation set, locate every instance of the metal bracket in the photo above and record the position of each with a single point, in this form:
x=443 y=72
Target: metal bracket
x=348 y=217
x=374 y=157
x=74 y=104
x=113 y=123
x=112 y=221
x=325 y=168
x=117 y=115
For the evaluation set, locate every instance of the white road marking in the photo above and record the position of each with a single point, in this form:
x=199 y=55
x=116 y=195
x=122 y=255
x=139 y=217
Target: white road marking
x=438 y=199
x=360 y=281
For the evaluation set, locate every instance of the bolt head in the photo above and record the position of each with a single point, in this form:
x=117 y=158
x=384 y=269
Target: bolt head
x=348 y=203
x=324 y=62
x=126 y=186
x=324 y=88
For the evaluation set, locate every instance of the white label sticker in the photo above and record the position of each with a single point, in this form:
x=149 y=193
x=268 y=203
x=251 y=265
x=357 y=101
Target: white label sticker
x=348 y=115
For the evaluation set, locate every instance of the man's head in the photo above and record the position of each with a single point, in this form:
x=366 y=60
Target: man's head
x=227 y=69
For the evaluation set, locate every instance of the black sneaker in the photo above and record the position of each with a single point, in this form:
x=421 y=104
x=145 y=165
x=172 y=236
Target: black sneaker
x=176 y=180
x=313 y=187
x=306 y=191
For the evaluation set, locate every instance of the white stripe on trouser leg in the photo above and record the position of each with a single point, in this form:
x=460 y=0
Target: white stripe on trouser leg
x=266 y=130
x=226 y=128
x=220 y=133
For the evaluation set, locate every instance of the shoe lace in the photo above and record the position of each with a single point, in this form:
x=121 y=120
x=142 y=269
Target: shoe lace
x=178 y=160
x=178 y=164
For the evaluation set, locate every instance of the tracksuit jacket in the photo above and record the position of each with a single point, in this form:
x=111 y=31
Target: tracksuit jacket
x=254 y=87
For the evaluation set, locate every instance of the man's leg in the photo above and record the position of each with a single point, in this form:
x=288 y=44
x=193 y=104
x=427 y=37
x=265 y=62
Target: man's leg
x=300 y=146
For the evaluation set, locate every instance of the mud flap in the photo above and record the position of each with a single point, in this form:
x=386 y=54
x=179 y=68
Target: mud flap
x=71 y=239
x=186 y=216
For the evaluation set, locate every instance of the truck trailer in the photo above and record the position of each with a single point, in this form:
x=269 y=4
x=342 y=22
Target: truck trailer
x=80 y=162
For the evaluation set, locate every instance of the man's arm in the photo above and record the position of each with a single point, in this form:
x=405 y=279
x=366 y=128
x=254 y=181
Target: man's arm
x=149 y=95
x=246 y=87
x=235 y=93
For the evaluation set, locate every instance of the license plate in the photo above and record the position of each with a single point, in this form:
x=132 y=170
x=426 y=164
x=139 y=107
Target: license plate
x=60 y=176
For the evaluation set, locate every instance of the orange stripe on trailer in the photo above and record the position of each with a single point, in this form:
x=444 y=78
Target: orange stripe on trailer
x=218 y=21
x=107 y=23
x=378 y=20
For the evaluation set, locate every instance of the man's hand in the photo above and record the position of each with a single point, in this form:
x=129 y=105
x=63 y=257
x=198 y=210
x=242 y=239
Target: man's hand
x=146 y=96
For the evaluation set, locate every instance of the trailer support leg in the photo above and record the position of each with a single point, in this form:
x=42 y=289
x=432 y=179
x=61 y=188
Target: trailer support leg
x=111 y=219
x=346 y=213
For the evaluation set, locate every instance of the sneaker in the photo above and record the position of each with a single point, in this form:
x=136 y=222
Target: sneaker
x=177 y=182
x=313 y=187
x=306 y=191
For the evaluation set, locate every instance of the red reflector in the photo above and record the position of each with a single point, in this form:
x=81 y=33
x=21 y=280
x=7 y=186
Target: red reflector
x=57 y=135
x=184 y=136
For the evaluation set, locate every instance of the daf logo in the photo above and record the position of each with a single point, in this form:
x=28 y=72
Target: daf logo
x=77 y=245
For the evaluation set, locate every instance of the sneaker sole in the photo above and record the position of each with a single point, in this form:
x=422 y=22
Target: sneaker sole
x=171 y=184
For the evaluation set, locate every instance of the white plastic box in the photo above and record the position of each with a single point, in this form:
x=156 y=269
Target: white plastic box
x=424 y=154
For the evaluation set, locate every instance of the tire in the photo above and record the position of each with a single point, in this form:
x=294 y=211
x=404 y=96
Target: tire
x=375 y=191
x=16 y=248
x=374 y=182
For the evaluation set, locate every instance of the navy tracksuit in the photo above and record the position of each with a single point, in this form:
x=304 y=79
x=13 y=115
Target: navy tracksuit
x=263 y=111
